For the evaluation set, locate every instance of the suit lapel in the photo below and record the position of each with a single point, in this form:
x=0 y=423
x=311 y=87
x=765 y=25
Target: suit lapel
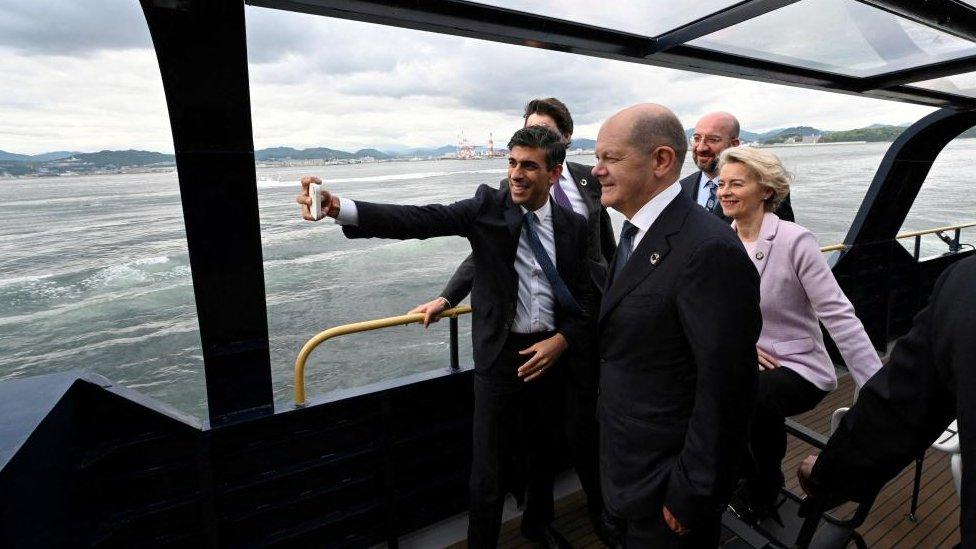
x=767 y=234
x=562 y=234
x=650 y=254
x=690 y=185
x=588 y=186
x=513 y=217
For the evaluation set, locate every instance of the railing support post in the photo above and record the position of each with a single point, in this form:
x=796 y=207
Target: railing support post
x=918 y=246
x=455 y=362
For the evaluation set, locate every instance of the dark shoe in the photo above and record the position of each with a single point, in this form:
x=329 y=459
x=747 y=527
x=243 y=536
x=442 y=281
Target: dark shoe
x=608 y=530
x=548 y=538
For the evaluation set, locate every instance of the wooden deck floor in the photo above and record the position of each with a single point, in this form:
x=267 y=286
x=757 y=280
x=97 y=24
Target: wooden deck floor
x=887 y=526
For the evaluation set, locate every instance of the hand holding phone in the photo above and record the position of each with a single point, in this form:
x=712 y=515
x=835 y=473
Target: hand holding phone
x=315 y=193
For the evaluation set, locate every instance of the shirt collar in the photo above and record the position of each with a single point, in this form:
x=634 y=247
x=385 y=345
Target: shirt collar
x=704 y=179
x=566 y=174
x=542 y=213
x=648 y=214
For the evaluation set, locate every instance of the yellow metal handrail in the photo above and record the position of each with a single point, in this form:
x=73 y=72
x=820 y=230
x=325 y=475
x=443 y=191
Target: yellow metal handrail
x=909 y=234
x=354 y=328
x=401 y=320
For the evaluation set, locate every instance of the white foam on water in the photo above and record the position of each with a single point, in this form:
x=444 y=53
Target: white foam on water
x=22 y=280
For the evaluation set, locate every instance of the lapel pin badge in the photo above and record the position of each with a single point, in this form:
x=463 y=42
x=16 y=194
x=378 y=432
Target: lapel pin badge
x=582 y=182
x=759 y=255
x=655 y=257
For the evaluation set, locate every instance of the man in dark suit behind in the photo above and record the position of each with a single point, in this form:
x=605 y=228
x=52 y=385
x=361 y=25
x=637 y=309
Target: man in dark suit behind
x=678 y=327
x=578 y=191
x=531 y=303
x=714 y=133
x=901 y=410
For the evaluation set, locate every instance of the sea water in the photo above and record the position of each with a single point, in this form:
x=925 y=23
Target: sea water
x=94 y=273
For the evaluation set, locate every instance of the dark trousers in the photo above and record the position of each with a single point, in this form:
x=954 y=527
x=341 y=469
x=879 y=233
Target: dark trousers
x=782 y=393
x=581 y=430
x=515 y=424
x=654 y=533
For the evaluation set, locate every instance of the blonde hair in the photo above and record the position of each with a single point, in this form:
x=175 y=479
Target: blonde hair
x=766 y=167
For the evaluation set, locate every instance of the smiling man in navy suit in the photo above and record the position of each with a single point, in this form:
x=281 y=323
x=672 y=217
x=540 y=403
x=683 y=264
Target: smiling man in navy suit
x=678 y=326
x=579 y=192
x=532 y=302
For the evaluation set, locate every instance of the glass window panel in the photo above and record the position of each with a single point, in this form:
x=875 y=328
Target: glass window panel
x=960 y=84
x=648 y=18
x=842 y=36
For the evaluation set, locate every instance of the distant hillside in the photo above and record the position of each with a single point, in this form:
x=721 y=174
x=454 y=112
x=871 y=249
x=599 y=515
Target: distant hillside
x=379 y=155
x=583 y=143
x=13 y=157
x=56 y=155
x=122 y=158
x=288 y=153
x=872 y=133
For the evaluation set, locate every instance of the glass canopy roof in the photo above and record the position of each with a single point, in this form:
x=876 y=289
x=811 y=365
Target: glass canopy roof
x=841 y=36
x=647 y=18
x=960 y=84
x=905 y=50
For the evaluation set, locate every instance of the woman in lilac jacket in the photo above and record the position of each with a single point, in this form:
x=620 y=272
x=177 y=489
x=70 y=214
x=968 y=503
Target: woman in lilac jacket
x=797 y=292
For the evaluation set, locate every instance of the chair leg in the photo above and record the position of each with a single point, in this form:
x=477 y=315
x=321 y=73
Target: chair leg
x=916 y=489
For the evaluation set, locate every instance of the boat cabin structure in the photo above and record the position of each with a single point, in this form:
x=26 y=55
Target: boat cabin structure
x=87 y=462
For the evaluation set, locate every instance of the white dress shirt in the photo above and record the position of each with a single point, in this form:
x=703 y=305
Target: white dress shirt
x=568 y=185
x=703 y=189
x=535 y=309
x=648 y=214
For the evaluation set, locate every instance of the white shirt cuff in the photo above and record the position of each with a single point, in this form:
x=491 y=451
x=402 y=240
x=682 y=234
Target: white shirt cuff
x=348 y=214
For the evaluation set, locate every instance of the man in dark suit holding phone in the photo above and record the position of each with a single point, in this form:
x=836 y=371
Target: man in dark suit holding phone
x=532 y=301
x=577 y=191
x=678 y=326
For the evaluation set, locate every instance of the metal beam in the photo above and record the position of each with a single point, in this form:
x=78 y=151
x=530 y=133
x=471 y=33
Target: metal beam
x=732 y=15
x=202 y=54
x=950 y=16
x=917 y=74
x=468 y=19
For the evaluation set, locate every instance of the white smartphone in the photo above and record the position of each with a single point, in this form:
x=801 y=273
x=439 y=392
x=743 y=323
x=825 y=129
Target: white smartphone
x=315 y=193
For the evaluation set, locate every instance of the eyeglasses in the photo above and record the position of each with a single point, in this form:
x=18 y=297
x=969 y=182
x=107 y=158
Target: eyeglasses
x=708 y=139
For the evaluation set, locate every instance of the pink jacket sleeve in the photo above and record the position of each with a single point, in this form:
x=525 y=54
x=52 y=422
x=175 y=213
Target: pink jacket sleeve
x=834 y=309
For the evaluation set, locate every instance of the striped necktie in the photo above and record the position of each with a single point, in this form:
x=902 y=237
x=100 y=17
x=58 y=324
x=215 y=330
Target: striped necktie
x=710 y=203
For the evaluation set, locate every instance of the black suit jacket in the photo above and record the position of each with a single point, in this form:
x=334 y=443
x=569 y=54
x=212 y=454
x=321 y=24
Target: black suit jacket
x=902 y=409
x=678 y=331
x=690 y=186
x=600 y=248
x=492 y=223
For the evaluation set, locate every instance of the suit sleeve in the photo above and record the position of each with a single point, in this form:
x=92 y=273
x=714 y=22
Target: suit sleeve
x=834 y=309
x=785 y=210
x=576 y=328
x=408 y=222
x=459 y=286
x=718 y=306
x=898 y=414
x=608 y=244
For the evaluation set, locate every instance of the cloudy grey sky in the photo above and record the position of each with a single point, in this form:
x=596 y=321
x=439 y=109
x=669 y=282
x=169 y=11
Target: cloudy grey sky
x=83 y=76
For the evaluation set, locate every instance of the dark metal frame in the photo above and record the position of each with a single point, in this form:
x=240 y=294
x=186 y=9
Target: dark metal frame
x=107 y=466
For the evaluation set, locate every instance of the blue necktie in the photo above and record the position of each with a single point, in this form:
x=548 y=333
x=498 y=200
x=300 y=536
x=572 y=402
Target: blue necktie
x=710 y=203
x=559 y=289
x=561 y=197
x=624 y=248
